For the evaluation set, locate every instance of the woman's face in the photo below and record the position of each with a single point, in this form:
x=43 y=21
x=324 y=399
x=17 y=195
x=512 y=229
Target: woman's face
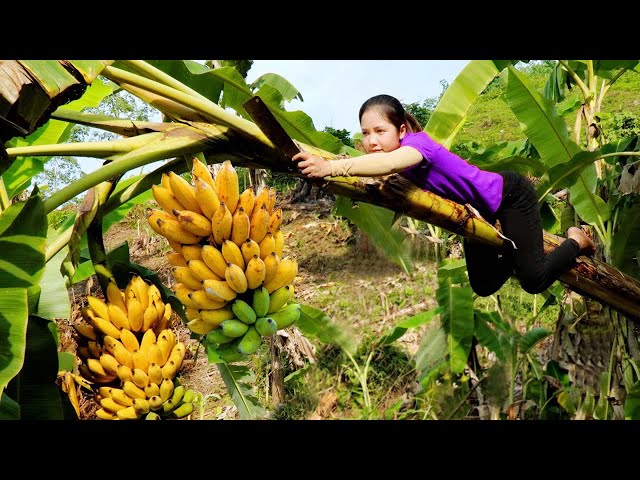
x=378 y=134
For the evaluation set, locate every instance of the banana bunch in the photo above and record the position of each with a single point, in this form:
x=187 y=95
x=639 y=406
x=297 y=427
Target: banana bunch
x=127 y=346
x=226 y=246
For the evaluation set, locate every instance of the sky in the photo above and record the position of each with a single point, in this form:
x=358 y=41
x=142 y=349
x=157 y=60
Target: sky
x=334 y=90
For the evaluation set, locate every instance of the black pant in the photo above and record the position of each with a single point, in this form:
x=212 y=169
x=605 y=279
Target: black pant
x=489 y=267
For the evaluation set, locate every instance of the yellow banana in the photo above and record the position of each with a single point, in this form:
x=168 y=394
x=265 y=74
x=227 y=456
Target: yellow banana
x=255 y=272
x=154 y=355
x=214 y=260
x=219 y=290
x=140 y=361
x=149 y=318
x=185 y=276
x=111 y=405
x=104 y=414
x=120 y=397
x=165 y=198
x=259 y=223
x=115 y=297
x=247 y=200
x=129 y=340
x=155 y=402
x=140 y=378
x=123 y=355
x=279 y=241
x=141 y=406
x=106 y=327
x=142 y=290
x=155 y=374
x=133 y=390
x=267 y=245
x=271 y=263
x=152 y=389
x=236 y=278
x=275 y=219
x=128 y=413
x=182 y=293
x=200 y=170
x=176 y=259
x=169 y=369
x=109 y=343
x=165 y=347
x=201 y=270
x=166 y=389
x=94 y=348
x=105 y=392
x=227 y=185
x=172 y=230
x=177 y=353
x=148 y=339
x=96 y=367
x=125 y=374
x=136 y=314
x=249 y=249
x=164 y=181
x=199 y=326
x=262 y=198
x=272 y=199
x=192 y=252
x=221 y=223
x=286 y=272
x=184 y=192
x=202 y=300
x=109 y=364
x=99 y=307
x=216 y=317
x=206 y=197
x=153 y=216
x=165 y=321
x=191 y=313
x=118 y=317
x=232 y=254
x=240 y=226
x=193 y=222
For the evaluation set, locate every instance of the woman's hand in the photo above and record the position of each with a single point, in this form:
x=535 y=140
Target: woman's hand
x=312 y=166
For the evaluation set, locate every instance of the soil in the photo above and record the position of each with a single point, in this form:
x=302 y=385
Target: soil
x=337 y=267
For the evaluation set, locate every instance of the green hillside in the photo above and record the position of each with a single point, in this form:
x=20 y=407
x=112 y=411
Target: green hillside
x=490 y=120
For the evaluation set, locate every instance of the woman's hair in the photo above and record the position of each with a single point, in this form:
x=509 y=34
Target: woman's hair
x=391 y=108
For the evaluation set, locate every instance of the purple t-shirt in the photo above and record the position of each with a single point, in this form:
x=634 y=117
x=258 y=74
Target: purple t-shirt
x=446 y=174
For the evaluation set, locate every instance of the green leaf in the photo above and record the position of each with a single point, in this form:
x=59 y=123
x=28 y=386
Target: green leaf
x=412 y=322
x=9 y=408
x=625 y=245
x=238 y=380
x=486 y=335
x=377 y=223
x=23 y=229
x=451 y=112
x=567 y=173
x=66 y=361
x=284 y=87
x=527 y=341
x=432 y=353
x=314 y=323
x=589 y=206
x=632 y=403
x=13 y=332
x=538 y=119
x=457 y=321
x=54 y=297
x=38 y=395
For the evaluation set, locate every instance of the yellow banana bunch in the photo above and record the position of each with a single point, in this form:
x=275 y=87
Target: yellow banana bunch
x=128 y=349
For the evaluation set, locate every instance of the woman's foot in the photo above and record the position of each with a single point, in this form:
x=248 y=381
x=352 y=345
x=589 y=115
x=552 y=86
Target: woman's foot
x=587 y=247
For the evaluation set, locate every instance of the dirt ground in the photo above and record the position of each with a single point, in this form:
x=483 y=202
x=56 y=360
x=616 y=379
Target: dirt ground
x=337 y=268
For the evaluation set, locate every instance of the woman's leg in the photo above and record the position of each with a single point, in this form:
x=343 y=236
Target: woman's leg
x=488 y=267
x=520 y=219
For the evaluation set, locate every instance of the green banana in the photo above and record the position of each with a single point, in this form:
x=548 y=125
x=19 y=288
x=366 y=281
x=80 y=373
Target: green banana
x=278 y=298
x=266 y=326
x=233 y=328
x=189 y=395
x=216 y=336
x=260 y=301
x=178 y=393
x=183 y=410
x=168 y=406
x=286 y=315
x=152 y=416
x=250 y=341
x=244 y=311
